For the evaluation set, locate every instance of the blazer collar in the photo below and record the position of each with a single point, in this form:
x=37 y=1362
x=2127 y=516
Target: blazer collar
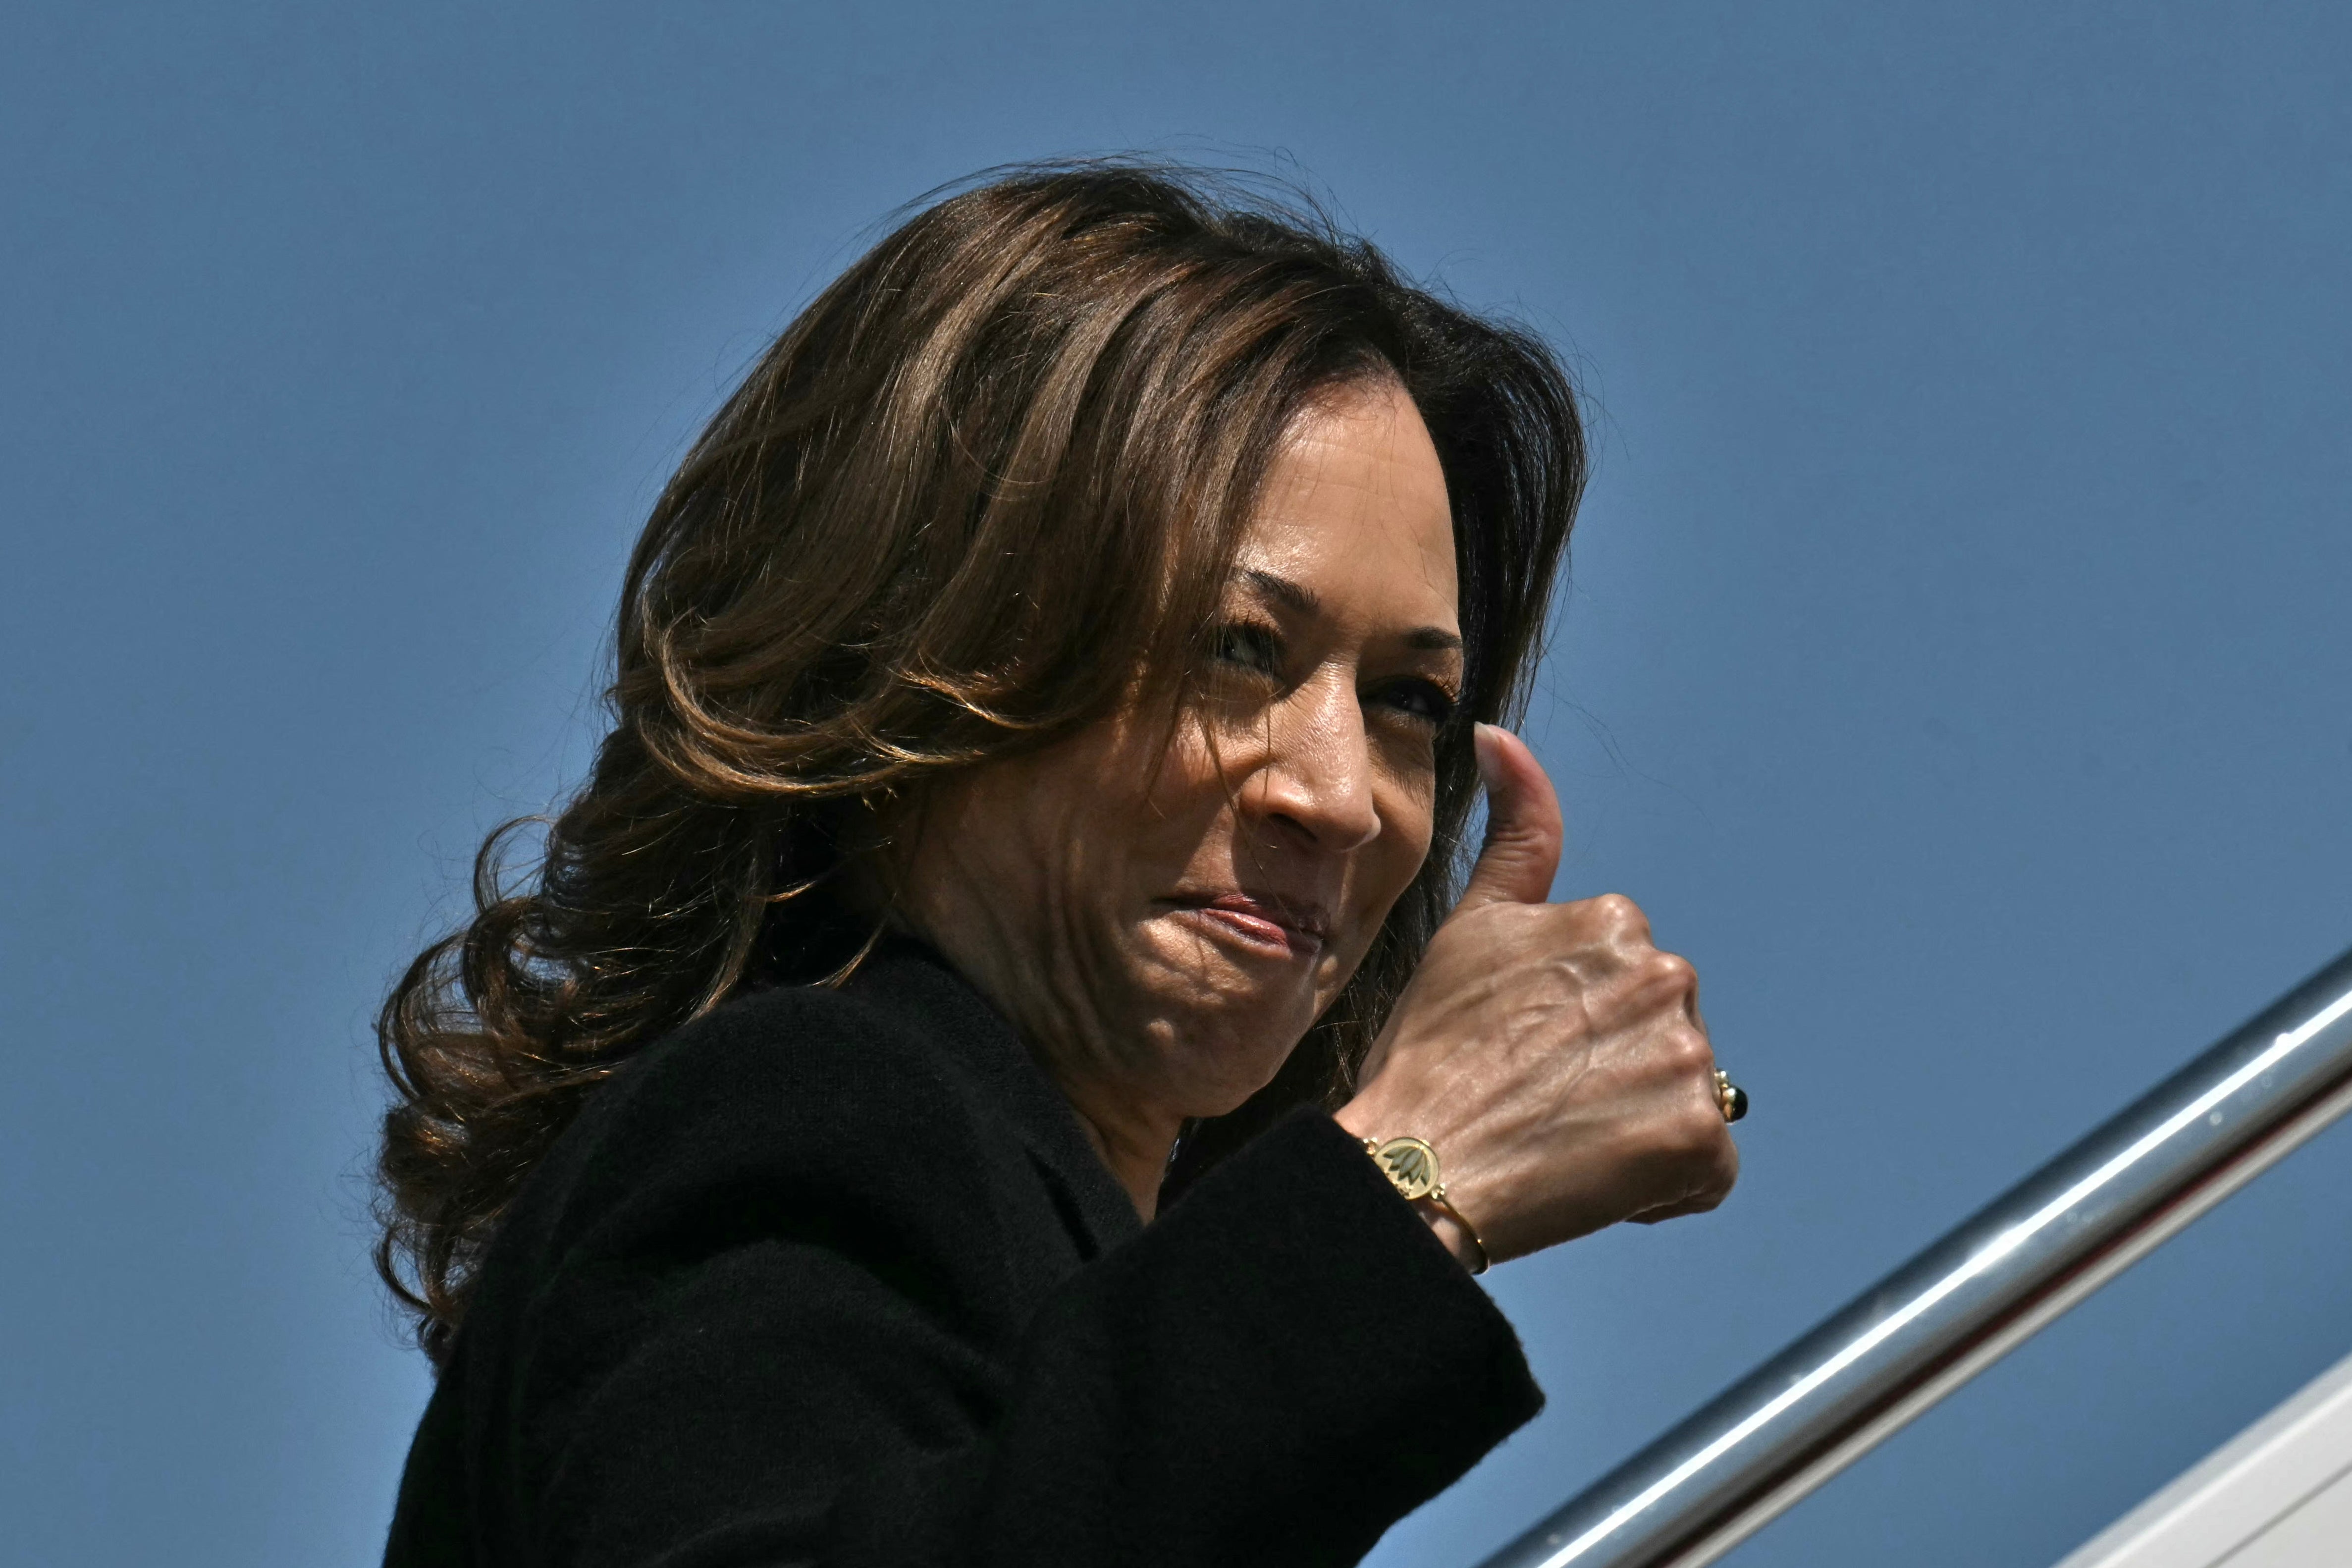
x=908 y=977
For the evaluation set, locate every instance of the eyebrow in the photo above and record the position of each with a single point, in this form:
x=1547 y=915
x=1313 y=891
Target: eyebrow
x=1291 y=596
x=1298 y=598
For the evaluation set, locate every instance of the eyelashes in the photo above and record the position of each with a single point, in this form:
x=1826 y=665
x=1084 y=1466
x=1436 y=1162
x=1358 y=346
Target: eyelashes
x=1256 y=647
x=1251 y=645
x=1423 y=699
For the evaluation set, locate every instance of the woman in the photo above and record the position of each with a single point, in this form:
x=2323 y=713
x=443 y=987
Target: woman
x=1050 y=696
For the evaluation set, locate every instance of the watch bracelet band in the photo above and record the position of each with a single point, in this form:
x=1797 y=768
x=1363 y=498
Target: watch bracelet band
x=1410 y=1166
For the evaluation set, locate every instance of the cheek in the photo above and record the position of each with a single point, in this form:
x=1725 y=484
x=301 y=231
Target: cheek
x=1121 y=815
x=1173 y=796
x=1386 y=866
x=1202 y=754
x=1400 y=860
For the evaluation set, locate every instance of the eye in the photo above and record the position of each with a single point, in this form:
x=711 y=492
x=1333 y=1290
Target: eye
x=1251 y=644
x=1418 y=698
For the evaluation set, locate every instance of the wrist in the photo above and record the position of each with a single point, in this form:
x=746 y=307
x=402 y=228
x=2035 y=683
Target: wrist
x=1455 y=1236
x=1413 y=1169
x=1367 y=1116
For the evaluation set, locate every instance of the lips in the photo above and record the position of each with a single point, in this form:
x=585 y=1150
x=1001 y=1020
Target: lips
x=1292 y=927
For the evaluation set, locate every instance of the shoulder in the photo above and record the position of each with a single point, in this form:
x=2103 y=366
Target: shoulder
x=897 y=1123
x=779 y=1088
x=771 y=1050
x=898 y=1086
x=781 y=1122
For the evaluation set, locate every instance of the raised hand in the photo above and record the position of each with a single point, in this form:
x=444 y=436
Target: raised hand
x=1550 y=1054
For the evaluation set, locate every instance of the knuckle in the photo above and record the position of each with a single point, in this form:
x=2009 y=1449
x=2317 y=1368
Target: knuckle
x=1670 y=972
x=1689 y=1055
x=1620 y=915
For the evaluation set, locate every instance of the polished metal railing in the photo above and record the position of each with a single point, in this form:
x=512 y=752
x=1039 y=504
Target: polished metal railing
x=1968 y=1299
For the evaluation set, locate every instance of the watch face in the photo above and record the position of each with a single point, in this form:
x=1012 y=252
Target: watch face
x=1411 y=1164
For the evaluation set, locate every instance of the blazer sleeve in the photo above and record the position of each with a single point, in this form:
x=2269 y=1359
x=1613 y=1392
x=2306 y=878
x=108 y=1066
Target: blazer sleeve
x=1274 y=1371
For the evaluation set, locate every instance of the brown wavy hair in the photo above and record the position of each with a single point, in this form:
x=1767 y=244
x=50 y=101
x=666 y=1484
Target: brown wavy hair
x=981 y=492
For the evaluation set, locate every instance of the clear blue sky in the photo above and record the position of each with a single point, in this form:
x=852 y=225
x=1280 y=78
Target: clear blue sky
x=1957 y=665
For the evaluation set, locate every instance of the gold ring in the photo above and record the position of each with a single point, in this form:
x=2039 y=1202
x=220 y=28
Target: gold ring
x=1730 y=1097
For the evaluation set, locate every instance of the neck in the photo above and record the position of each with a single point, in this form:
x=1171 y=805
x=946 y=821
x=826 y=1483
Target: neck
x=1133 y=1142
x=1132 y=1138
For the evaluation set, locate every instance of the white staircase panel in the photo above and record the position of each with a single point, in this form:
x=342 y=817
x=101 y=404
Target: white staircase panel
x=2278 y=1495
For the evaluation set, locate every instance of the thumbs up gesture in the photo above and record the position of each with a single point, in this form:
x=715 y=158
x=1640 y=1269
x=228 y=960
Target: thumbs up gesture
x=1551 y=1055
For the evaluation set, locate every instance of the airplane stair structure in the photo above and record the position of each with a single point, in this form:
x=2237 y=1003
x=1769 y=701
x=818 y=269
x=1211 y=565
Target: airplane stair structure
x=2278 y=1495
x=1986 y=1286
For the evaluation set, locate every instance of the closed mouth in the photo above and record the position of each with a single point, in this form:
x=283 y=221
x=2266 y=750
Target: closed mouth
x=1261 y=920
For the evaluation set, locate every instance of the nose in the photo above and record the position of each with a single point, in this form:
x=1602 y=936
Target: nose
x=1315 y=782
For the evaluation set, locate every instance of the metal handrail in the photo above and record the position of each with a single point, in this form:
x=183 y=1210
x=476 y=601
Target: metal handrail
x=1969 y=1299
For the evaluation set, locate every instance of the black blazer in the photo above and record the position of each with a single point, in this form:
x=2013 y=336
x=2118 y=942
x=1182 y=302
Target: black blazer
x=834 y=1277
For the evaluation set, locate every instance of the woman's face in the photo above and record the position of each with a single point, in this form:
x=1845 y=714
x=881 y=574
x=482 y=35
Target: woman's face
x=1164 y=918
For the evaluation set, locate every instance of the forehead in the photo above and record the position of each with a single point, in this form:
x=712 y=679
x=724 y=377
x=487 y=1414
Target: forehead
x=1354 y=508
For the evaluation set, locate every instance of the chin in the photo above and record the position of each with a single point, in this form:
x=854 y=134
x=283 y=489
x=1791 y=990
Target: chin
x=1228 y=1049
x=1227 y=992
x=1236 y=1017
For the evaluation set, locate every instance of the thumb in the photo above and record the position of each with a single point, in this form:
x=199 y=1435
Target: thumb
x=1523 y=828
